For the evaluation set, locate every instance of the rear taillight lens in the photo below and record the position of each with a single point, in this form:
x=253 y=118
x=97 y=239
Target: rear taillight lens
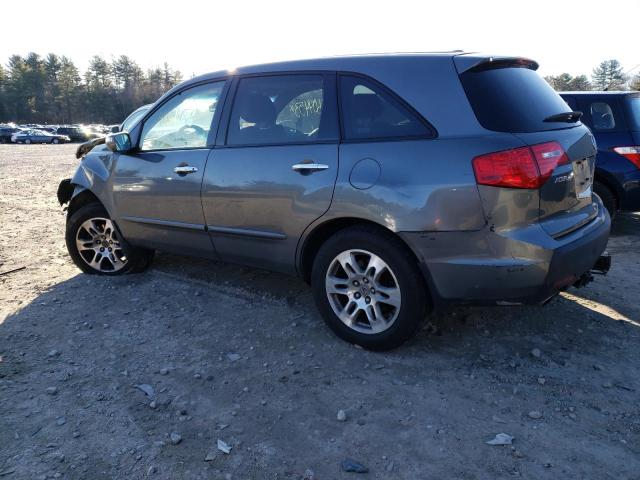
x=523 y=167
x=630 y=153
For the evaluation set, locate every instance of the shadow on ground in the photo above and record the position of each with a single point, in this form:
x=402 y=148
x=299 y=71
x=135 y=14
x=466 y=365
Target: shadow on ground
x=240 y=355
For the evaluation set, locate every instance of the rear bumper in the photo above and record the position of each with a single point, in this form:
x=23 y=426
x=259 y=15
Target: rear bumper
x=522 y=266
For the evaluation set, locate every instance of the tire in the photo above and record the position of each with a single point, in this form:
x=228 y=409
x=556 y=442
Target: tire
x=122 y=259
x=55 y=140
x=27 y=141
x=336 y=291
x=608 y=198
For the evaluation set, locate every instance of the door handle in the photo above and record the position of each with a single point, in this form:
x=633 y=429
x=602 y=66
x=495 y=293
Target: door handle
x=185 y=169
x=306 y=168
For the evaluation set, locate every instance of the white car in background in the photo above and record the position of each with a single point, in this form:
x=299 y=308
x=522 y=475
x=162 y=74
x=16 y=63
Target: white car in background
x=38 y=136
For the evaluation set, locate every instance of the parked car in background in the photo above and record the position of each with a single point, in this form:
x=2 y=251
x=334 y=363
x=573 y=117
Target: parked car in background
x=7 y=131
x=38 y=136
x=391 y=183
x=614 y=119
x=75 y=133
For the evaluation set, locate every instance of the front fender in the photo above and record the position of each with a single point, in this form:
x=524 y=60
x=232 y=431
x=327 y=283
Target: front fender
x=65 y=191
x=93 y=174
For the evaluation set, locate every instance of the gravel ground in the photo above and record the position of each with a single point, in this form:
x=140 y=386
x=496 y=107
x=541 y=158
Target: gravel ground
x=141 y=376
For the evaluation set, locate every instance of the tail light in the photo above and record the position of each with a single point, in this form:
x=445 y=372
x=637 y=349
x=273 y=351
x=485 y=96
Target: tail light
x=630 y=153
x=523 y=167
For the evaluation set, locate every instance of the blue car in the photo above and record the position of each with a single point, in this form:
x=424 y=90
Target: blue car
x=614 y=119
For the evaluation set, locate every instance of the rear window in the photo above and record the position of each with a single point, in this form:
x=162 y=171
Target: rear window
x=634 y=112
x=513 y=99
x=369 y=112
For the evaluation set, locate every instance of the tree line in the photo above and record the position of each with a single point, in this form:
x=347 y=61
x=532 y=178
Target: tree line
x=51 y=89
x=608 y=75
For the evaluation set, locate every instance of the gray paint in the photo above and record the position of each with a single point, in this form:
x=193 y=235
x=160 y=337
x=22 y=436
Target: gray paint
x=247 y=205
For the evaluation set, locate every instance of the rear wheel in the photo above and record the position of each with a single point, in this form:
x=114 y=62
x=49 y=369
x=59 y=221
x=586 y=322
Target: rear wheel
x=27 y=141
x=368 y=288
x=607 y=197
x=55 y=140
x=95 y=246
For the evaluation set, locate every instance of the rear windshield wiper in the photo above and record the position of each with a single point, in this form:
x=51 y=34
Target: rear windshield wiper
x=567 y=117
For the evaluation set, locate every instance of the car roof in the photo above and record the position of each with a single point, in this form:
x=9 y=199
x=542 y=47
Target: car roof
x=340 y=62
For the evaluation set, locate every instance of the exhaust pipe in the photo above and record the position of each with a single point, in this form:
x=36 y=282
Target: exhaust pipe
x=601 y=267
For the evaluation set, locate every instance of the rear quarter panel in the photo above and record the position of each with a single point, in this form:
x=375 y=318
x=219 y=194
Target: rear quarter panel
x=423 y=185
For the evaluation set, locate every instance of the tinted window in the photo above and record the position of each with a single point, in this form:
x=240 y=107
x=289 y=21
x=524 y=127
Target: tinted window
x=513 y=99
x=369 y=112
x=634 y=112
x=281 y=109
x=183 y=121
x=601 y=116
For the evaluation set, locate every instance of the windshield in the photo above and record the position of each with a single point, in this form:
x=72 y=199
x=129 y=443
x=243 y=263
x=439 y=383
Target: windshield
x=513 y=99
x=634 y=112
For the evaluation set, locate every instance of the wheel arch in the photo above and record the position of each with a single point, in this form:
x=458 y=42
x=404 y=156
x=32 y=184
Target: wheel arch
x=81 y=197
x=606 y=179
x=318 y=234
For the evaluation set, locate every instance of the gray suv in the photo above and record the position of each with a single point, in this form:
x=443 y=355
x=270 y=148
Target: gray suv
x=391 y=183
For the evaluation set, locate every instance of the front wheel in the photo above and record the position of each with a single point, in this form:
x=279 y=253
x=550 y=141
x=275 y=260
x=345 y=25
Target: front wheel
x=27 y=141
x=368 y=288
x=55 y=140
x=95 y=246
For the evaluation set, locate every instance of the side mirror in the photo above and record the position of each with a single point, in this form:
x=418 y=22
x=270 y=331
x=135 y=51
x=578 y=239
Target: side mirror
x=115 y=129
x=118 y=142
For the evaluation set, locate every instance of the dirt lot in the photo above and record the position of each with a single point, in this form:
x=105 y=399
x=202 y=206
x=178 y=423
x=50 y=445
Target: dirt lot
x=240 y=355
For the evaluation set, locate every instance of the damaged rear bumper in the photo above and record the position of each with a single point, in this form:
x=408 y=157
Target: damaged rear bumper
x=520 y=266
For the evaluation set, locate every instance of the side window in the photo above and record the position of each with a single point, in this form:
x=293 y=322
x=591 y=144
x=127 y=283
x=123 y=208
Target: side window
x=281 y=109
x=369 y=112
x=602 y=116
x=183 y=121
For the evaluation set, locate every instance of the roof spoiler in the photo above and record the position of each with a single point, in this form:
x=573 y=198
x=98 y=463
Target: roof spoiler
x=474 y=62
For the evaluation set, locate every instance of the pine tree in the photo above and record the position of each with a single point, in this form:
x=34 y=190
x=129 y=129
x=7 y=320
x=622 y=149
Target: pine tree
x=3 y=106
x=580 y=83
x=51 y=90
x=608 y=75
x=70 y=90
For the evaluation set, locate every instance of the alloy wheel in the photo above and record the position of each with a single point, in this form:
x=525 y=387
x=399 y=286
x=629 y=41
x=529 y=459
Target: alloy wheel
x=363 y=291
x=99 y=246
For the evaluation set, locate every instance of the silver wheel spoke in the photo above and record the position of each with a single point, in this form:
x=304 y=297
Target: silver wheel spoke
x=337 y=285
x=98 y=245
x=96 y=261
x=375 y=267
x=376 y=319
x=351 y=312
x=372 y=290
x=390 y=296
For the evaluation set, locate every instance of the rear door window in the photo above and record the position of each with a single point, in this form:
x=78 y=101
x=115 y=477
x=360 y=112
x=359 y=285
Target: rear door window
x=283 y=109
x=370 y=112
x=601 y=116
x=633 y=107
x=513 y=99
x=602 y=113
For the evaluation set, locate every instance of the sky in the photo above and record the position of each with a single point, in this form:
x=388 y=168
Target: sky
x=202 y=36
